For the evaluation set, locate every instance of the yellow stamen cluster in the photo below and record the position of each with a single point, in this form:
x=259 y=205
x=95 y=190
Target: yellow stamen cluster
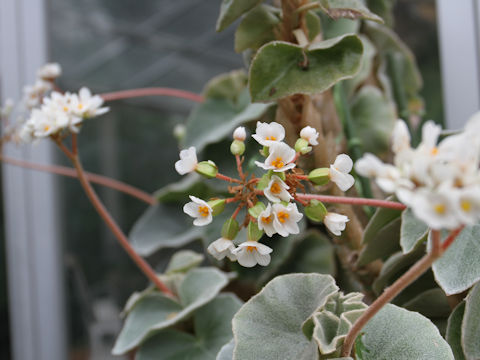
x=278 y=163
x=275 y=188
x=440 y=209
x=203 y=210
x=282 y=216
x=466 y=205
x=267 y=219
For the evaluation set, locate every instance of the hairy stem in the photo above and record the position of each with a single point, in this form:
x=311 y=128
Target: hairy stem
x=353 y=201
x=156 y=91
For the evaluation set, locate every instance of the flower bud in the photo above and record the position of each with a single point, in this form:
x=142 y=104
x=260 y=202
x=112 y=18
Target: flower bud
x=217 y=205
x=230 y=229
x=253 y=232
x=319 y=176
x=239 y=133
x=179 y=131
x=207 y=169
x=237 y=147
x=315 y=211
x=257 y=209
x=302 y=147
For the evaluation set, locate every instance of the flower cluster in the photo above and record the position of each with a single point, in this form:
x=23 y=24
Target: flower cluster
x=439 y=181
x=280 y=215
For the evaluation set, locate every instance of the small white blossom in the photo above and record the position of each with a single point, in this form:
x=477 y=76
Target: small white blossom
x=280 y=158
x=265 y=221
x=286 y=219
x=85 y=105
x=222 y=248
x=33 y=94
x=251 y=253
x=310 y=134
x=49 y=71
x=188 y=161
x=269 y=133
x=240 y=134
x=336 y=223
x=400 y=137
x=435 y=208
x=339 y=172
x=199 y=210
x=7 y=108
x=276 y=190
x=466 y=203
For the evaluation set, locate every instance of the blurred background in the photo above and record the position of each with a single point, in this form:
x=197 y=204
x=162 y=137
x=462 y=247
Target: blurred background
x=63 y=277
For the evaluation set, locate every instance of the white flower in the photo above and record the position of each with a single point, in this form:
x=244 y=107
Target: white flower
x=7 y=108
x=222 y=247
x=199 y=210
x=400 y=137
x=188 y=161
x=239 y=133
x=310 y=134
x=268 y=133
x=85 y=105
x=49 y=71
x=339 y=172
x=276 y=190
x=336 y=223
x=265 y=221
x=435 y=208
x=467 y=204
x=251 y=253
x=280 y=158
x=286 y=219
x=33 y=94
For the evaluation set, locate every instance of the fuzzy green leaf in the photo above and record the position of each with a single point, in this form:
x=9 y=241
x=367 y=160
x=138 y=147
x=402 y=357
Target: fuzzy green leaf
x=227 y=86
x=213 y=329
x=398 y=334
x=231 y=10
x=277 y=314
x=471 y=324
x=226 y=352
x=454 y=331
x=184 y=260
x=350 y=9
x=432 y=303
x=280 y=69
x=155 y=311
x=459 y=267
x=412 y=232
x=369 y=53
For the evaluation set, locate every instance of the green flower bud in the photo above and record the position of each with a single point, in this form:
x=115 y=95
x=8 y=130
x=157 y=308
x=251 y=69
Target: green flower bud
x=280 y=174
x=207 y=169
x=263 y=182
x=253 y=232
x=320 y=176
x=217 y=205
x=302 y=147
x=315 y=211
x=237 y=147
x=230 y=229
x=257 y=209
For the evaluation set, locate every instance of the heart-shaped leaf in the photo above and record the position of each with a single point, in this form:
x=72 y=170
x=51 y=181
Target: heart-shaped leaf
x=412 y=232
x=396 y=333
x=213 y=329
x=459 y=267
x=155 y=311
x=281 y=69
x=269 y=325
x=454 y=331
x=471 y=324
x=231 y=10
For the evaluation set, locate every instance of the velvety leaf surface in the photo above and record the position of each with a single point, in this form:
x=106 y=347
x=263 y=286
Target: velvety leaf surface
x=432 y=303
x=184 y=260
x=155 y=311
x=412 y=232
x=226 y=86
x=350 y=9
x=398 y=334
x=382 y=217
x=162 y=225
x=269 y=325
x=280 y=69
x=471 y=324
x=226 y=352
x=369 y=53
x=213 y=329
x=459 y=267
x=231 y=10
x=256 y=28
x=454 y=331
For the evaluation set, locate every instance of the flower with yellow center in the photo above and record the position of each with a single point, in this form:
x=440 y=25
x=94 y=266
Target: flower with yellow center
x=280 y=158
x=276 y=190
x=251 y=253
x=268 y=133
x=286 y=219
x=199 y=210
x=436 y=208
x=265 y=221
x=467 y=204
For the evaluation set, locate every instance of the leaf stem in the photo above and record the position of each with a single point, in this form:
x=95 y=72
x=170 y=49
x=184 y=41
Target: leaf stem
x=353 y=201
x=110 y=222
x=401 y=283
x=155 y=91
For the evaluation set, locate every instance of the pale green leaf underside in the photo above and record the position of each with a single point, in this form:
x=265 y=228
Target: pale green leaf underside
x=213 y=329
x=398 y=334
x=454 y=331
x=280 y=69
x=471 y=324
x=155 y=311
x=269 y=325
x=231 y=10
x=226 y=352
x=459 y=267
x=412 y=232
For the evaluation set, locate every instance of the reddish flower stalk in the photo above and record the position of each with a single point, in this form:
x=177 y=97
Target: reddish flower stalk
x=156 y=91
x=353 y=201
x=227 y=178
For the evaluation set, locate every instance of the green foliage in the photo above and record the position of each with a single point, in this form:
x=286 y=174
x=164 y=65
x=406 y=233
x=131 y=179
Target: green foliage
x=154 y=311
x=350 y=9
x=227 y=86
x=413 y=231
x=231 y=10
x=212 y=330
x=226 y=352
x=471 y=324
x=454 y=331
x=280 y=69
x=457 y=269
x=277 y=313
x=184 y=260
x=398 y=334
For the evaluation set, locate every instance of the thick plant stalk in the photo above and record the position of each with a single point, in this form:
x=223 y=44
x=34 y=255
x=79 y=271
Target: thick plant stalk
x=400 y=284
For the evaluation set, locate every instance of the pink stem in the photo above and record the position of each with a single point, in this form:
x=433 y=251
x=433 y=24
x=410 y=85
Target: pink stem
x=353 y=201
x=156 y=91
